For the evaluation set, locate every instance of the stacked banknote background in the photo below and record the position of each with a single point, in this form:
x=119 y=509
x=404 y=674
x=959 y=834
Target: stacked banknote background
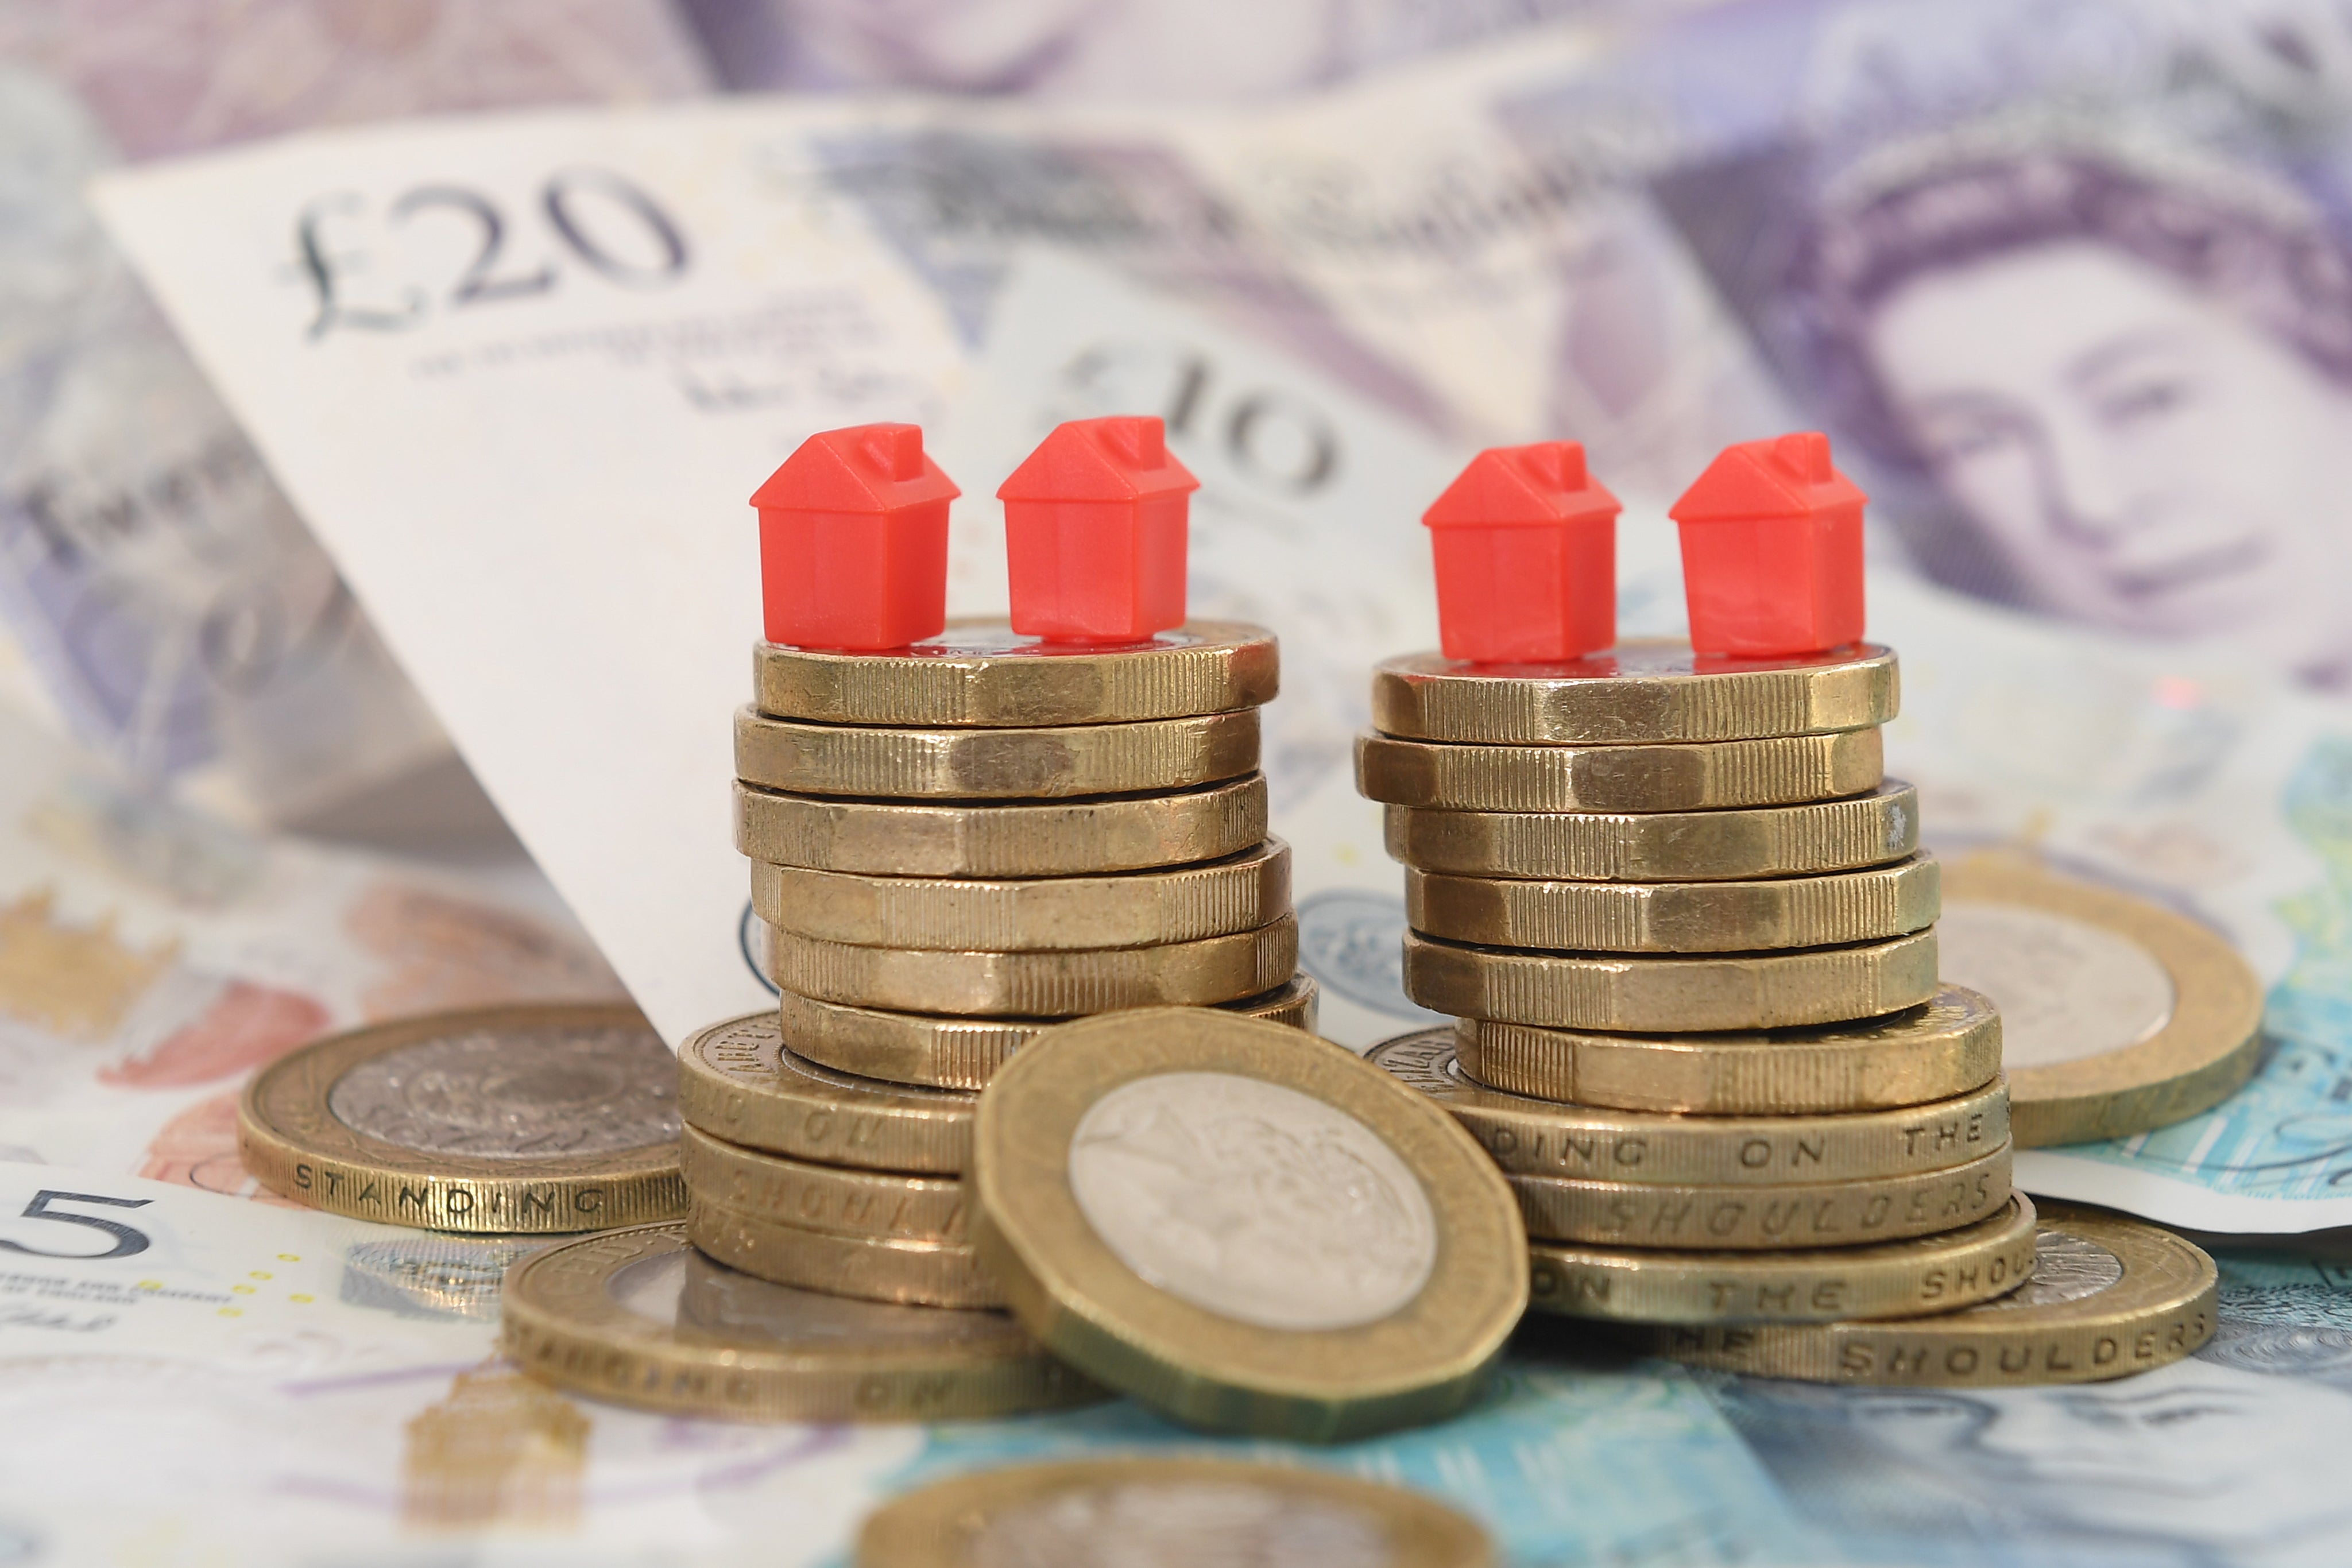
x=321 y=460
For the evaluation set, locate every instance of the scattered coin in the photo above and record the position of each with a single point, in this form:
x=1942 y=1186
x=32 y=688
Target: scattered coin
x=1660 y=777
x=841 y=1199
x=639 y=1317
x=871 y=1268
x=737 y=1082
x=994 y=764
x=1243 y=1228
x=530 y=1119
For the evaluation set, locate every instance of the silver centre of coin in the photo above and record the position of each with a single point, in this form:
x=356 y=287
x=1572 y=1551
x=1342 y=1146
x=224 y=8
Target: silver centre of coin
x=1181 y=1524
x=2065 y=1269
x=1254 y=1201
x=2066 y=988
x=515 y=1094
x=686 y=1291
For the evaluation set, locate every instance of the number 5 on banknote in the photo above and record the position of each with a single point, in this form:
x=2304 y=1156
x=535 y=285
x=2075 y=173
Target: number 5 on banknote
x=127 y=1241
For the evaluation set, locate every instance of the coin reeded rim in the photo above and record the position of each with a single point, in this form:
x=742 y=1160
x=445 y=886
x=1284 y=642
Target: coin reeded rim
x=980 y=673
x=559 y=1322
x=940 y=1525
x=907 y=1270
x=1423 y=1361
x=2203 y=1054
x=808 y=1196
x=291 y=1142
x=1658 y=776
x=1057 y=762
x=737 y=1082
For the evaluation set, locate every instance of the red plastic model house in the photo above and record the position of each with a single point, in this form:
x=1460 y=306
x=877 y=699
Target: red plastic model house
x=853 y=540
x=1526 y=557
x=1095 y=533
x=1772 y=538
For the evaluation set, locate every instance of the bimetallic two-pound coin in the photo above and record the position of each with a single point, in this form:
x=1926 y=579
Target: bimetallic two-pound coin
x=1647 y=993
x=639 y=1317
x=1935 y=1273
x=961 y=1052
x=1662 y=777
x=526 y=1118
x=737 y=1083
x=982 y=672
x=1824 y=911
x=1245 y=1229
x=2109 y=1296
x=1538 y=1137
x=1165 y=1511
x=2118 y=1015
x=905 y=1269
x=1640 y=691
x=994 y=764
x=1037 y=984
x=842 y=1199
x=1662 y=846
x=1132 y=909
x=1947 y=1047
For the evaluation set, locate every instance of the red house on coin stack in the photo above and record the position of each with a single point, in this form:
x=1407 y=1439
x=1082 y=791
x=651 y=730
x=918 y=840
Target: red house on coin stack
x=1771 y=536
x=1095 y=530
x=1526 y=551
x=853 y=540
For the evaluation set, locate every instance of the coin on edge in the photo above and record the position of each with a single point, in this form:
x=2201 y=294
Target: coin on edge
x=2109 y=1296
x=1243 y=1228
x=841 y=1199
x=2117 y=1014
x=1538 y=1137
x=994 y=764
x=534 y=1118
x=1661 y=776
x=638 y=1317
x=1167 y=1510
x=1937 y=1273
x=737 y=1082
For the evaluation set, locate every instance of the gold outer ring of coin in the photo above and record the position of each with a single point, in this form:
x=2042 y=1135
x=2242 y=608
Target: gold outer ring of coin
x=1537 y=1137
x=1758 y=1219
x=2205 y=1051
x=2159 y=1311
x=948 y=1523
x=1826 y=910
x=560 y=1322
x=1699 y=776
x=1133 y=909
x=293 y=1143
x=962 y=1053
x=1948 y=1046
x=1654 y=993
x=1038 y=984
x=1907 y=1278
x=1421 y=1362
x=981 y=672
x=870 y=1267
x=840 y=1200
x=1641 y=690
x=1160 y=754
x=1060 y=838
x=1662 y=846
x=737 y=1082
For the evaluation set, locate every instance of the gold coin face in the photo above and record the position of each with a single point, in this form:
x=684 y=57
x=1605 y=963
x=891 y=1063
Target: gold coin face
x=2117 y=1014
x=2108 y=1296
x=639 y=1317
x=526 y=1118
x=1168 y=1511
x=910 y=1270
x=737 y=1083
x=1661 y=776
x=898 y=764
x=1641 y=690
x=982 y=672
x=840 y=1199
x=1242 y=1227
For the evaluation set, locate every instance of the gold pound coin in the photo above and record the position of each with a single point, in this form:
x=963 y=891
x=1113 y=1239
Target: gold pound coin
x=982 y=672
x=737 y=1083
x=638 y=1317
x=962 y=1053
x=1643 y=690
x=1948 y=1047
x=1147 y=1196
x=870 y=1267
x=2119 y=1015
x=1132 y=909
x=1826 y=910
x=532 y=1119
x=994 y=764
x=1062 y=838
x=1937 y=1273
x=1671 y=994
x=2108 y=1296
x=1537 y=1137
x=1167 y=1510
x=1038 y=984
x=1665 y=846
x=840 y=1199
x=1664 y=776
